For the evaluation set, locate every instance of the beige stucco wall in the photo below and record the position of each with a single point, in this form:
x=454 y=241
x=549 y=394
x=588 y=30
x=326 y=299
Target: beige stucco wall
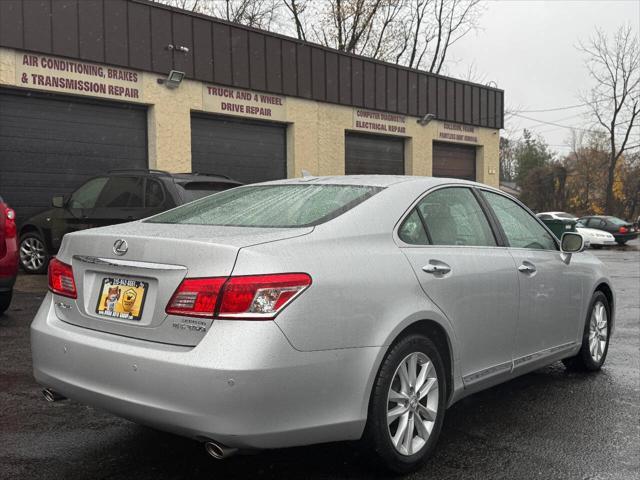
x=315 y=133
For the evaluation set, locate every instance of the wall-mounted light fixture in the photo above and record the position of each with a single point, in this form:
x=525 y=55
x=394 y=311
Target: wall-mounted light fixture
x=173 y=80
x=426 y=119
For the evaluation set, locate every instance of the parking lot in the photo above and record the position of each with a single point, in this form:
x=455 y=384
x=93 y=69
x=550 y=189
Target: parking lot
x=548 y=424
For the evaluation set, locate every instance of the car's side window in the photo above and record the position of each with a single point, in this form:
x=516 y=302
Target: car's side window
x=154 y=194
x=592 y=222
x=87 y=194
x=453 y=216
x=412 y=231
x=122 y=192
x=521 y=229
x=545 y=217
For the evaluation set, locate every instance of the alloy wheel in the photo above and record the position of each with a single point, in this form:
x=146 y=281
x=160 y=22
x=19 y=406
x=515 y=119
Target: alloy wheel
x=412 y=403
x=598 y=331
x=32 y=254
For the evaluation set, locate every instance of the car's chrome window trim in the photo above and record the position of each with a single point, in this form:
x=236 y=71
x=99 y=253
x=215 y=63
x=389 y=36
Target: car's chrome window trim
x=114 y=262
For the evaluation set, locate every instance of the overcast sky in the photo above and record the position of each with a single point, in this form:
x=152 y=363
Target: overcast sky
x=528 y=48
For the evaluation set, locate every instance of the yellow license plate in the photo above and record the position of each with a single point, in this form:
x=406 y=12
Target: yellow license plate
x=121 y=298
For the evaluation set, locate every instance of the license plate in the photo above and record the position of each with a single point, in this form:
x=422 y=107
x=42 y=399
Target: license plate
x=121 y=298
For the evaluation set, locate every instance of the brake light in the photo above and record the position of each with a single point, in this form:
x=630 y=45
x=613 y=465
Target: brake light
x=260 y=297
x=10 y=229
x=61 y=279
x=623 y=230
x=196 y=297
x=254 y=297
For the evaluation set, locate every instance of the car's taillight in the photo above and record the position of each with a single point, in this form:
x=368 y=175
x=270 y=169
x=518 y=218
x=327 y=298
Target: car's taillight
x=196 y=297
x=61 y=279
x=254 y=297
x=623 y=230
x=260 y=297
x=10 y=222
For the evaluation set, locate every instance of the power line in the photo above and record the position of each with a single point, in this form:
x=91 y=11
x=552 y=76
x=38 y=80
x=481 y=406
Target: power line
x=568 y=107
x=555 y=124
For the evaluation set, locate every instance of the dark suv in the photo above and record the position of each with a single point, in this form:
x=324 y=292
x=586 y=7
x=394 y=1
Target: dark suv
x=119 y=196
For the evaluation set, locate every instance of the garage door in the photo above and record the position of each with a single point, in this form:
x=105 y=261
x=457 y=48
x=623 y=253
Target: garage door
x=244 y=150
x=454 y=161
x=51 y=144
x=373 y=154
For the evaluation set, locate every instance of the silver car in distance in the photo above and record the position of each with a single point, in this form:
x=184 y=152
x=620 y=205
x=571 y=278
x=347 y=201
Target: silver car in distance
x=316 y=310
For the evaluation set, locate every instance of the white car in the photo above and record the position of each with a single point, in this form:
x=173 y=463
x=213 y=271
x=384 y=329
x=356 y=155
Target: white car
x=595 y=238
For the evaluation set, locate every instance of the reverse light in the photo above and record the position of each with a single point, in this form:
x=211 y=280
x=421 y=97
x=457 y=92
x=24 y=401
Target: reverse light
x=61 y=279
x=196 y=297
x=261 y=297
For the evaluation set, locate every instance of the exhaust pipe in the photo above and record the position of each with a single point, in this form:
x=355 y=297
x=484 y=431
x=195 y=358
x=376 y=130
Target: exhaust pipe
x=52 y=396
x=219 y=451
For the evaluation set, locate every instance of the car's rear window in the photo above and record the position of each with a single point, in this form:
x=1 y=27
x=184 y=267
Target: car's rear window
x=616 y=221
x=566 y=215
x=270 y=206
x=195 y=190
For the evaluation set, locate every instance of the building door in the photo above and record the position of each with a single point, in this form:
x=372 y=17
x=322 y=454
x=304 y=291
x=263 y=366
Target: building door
x=453 y=160
x=247 y=151
x=51 y=144
x=373 y=154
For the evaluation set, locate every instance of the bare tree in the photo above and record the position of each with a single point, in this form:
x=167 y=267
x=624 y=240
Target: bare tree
x=614 y=101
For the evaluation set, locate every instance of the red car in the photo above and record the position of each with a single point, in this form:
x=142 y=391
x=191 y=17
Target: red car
x=8 y=254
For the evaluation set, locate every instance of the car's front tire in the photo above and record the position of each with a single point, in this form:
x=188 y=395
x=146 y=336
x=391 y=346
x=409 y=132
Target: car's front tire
x=5 y=301
x=407 y=404
x=595 y=338
x=597 y=246
x=34 y=257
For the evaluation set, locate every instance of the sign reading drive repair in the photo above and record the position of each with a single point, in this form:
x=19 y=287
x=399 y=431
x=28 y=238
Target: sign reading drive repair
x=379 y=122
x=44 y=72
x=245 y=103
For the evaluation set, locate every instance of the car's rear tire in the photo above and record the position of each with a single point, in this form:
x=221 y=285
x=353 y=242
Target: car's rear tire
x=595 y=338
x=622 y=243
x=5 y=301
x=410 y=388
x=34 y=257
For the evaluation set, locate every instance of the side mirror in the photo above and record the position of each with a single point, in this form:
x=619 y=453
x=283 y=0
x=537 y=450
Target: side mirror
x=572 y=243
x=58 y=201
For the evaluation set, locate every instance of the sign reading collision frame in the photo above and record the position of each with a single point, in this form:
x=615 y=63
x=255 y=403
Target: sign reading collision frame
x=244 y=103
x=44 y=72
x=379 y=122
x=458 y=133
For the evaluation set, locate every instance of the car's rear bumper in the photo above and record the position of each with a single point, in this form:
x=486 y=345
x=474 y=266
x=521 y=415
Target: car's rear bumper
x=243 y=385
x=625 y=237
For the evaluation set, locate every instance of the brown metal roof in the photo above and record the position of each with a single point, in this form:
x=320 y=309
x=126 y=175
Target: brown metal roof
x=136 y=33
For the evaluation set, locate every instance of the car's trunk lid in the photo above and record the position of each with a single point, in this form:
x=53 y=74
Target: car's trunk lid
x=158 y=257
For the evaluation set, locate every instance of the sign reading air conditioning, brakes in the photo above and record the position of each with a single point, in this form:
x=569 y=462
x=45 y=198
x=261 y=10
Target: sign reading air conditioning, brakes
x=44 y=72
x=244 y=103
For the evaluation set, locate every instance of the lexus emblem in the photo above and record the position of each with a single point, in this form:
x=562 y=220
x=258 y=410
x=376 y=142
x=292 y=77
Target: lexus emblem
x=120 y=247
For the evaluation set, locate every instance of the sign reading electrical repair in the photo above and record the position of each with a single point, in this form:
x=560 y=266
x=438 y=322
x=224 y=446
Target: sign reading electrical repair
x=44 y=72
x=245 y=103
x=458 y=133
x=379 y=122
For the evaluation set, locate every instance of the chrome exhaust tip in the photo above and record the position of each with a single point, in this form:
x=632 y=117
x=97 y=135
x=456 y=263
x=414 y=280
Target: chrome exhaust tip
x=218 y=451
x=52 y=396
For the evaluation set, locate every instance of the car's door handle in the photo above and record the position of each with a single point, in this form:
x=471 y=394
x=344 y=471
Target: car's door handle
x=527 y=267
x=436 y=268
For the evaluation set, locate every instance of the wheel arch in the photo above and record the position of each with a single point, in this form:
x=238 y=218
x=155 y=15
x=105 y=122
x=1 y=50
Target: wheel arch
x=605 y=288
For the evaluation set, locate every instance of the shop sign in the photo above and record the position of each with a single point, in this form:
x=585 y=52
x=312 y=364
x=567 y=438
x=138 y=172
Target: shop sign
x=379 y=122
x=44 y=72
x=244 y=103
x=458 y=133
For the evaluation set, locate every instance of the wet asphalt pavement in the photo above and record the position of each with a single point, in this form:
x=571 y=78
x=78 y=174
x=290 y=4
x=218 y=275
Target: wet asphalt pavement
x=550 y=424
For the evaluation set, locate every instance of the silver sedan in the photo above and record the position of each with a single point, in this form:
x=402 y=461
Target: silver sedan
x=316 y=310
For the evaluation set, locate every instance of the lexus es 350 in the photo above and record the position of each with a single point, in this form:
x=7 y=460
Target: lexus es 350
x=317 y=309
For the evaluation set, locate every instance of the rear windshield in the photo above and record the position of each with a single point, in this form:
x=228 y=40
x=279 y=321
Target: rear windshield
x=270 y=206
x=616 y=221
x=194 y=190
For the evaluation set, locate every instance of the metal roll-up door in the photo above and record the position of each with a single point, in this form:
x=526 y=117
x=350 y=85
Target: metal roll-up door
x=454 y=161
x=373 y=154
x=51 y=144
x=247 y=151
